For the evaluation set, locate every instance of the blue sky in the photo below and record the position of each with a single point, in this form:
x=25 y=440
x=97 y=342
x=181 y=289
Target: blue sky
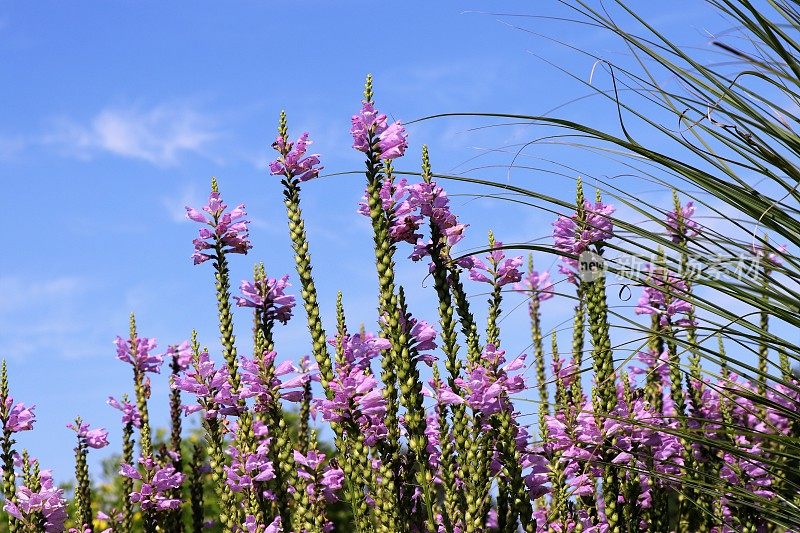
x=116 y=114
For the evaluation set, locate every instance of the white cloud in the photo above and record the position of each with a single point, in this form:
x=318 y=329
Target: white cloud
x=158 y=135
x=176 y=204
x=10 y=146
x=24 y=294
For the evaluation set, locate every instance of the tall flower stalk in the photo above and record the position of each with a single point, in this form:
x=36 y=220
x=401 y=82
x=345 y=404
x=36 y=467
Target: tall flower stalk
x=87 y=438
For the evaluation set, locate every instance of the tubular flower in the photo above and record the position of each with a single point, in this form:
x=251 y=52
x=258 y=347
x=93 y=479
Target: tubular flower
x=663 y=298
x=227 y=232
x=18 y=417
x=158 y=485
x=570 y=238
x=402 y=207
x=392 y=139
x=211 y=387
x=501 y=271
x=295 y=164
x=422 y=336
x=130 y=415
x=486 y=388
x=434 y=204
x=252 y=525
x=324 y=481
x=356 y=399
x=248 y=469
x=772 y=258
x=690 y=227
x=293 y=389
x=140 y=356
x=93 y=438
x=47 y=502
x=184 y=353
x=360 y=349
x=657 y=364
x=261 y=380
x=268 y=295
x=536 y=284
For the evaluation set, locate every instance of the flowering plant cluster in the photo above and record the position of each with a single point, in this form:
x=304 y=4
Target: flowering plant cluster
x=428 y=435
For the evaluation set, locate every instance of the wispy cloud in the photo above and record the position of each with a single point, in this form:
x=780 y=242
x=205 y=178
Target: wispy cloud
x=44 y=318
x=158 y=135
x=19 y=294
x=176 y=204
x=10 y=146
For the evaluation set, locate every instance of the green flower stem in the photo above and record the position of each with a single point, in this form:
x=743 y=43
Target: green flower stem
x=520 y=502
x=175 y=518
x=476 y=489
x=305 y=415
x=297 y=232
x=142 y=394
x=83 y=494
x=411 y=399
x=654 y=388
x=196 y=490
x=9 y=476
x=354 y=484
x=280 y=453
x=495 y=299
x=538 y=349
x=458 y=440
x=127 y=483
x=605 y=393
x=453 y=501
x=578 y=334
x=466 y=319
x=217 y=461
x=559 y=495
x=387 y=303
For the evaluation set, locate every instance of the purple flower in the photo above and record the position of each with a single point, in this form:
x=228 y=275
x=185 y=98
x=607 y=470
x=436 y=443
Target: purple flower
x=486 y=388
x=434 y=204
x=295 y=164
x=360 y=349
x=248 y=469
x=332 y=482
x=657 y=363
x=402 y=206
x=18 y=417
x=356 y=399
x=48 y=502
x=137 y=353
x=211 y=387
x=368 y=124
x=443 y=396
x=501 y=271
x=322 y=481
x=421 y=339
x=253 y=525
x=774 y=259
x=269 y=296
x=598 y=227
x=690 y=227
x=261 y=380
x=130 y=414
x=93 y=438
x=393 y=141
x=227 y=232
x=537 y=284
x=663 y=298
x=183 y=353
x=158 y=483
